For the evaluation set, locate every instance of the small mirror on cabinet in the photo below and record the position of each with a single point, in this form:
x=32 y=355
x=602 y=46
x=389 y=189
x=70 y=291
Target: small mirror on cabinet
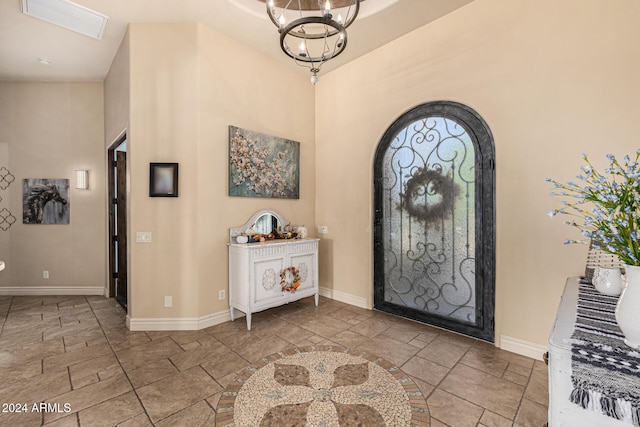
x=266 y=223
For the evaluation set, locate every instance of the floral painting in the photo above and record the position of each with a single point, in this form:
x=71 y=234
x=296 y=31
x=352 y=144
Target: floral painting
x=263 y=166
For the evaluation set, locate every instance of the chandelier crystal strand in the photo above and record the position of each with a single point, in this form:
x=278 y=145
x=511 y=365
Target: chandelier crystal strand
x=309 y=33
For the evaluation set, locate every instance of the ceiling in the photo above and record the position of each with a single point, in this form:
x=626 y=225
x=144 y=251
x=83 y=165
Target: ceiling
x=75 y=57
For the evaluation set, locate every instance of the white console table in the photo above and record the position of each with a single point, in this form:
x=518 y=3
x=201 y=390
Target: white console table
x=255 y=268
x=563 y=413
x=254 y=274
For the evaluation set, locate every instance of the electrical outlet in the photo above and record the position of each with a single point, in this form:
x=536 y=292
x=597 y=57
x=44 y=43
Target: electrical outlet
x=45 y=274
x=168 y=301
x=221 y=295
x=323 y=229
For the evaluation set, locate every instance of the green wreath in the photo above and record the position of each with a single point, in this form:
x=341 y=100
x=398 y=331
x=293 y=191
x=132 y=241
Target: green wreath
x=290 y=279
x=434 y=182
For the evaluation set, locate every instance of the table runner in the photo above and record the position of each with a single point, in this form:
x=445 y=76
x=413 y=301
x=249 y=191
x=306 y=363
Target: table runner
x=605 y=371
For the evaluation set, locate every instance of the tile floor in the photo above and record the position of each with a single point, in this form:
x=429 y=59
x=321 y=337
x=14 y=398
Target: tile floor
x=69 y=361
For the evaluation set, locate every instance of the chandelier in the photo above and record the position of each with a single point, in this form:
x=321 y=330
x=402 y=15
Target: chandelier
x=312 y=31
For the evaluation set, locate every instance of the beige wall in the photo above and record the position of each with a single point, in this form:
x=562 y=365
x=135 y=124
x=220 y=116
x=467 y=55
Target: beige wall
x=240 y=87
x=552 y=79
x=116 y=95
x=48 y=131
x=188 y=84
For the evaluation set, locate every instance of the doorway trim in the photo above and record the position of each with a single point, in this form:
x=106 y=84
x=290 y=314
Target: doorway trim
x=111 y=179
x=481 y=136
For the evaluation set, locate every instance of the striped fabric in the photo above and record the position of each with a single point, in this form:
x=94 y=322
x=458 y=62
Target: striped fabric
x=605 y=371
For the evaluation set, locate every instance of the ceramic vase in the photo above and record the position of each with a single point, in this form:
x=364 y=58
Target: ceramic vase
x=627 y=312
x=608 y=280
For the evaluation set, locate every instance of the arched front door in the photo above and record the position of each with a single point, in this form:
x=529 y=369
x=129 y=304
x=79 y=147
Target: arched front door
x=434 y=253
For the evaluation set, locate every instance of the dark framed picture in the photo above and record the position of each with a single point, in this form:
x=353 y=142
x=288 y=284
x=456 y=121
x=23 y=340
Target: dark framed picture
x=45 y=201
x=163 y=180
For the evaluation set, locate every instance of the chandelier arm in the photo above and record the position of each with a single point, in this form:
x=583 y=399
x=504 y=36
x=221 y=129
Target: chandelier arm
x=326 y=20
x=299 y=8
x=316 y=20
x=310 y=65
x=348 y=20
x=270 y=15
x=271 y=10
x=335 y=27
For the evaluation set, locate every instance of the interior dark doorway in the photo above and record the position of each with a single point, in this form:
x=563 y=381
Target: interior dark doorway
x=117 y=178
x=434 y=221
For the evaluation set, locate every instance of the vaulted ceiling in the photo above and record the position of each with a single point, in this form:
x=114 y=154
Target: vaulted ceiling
x=72 y=56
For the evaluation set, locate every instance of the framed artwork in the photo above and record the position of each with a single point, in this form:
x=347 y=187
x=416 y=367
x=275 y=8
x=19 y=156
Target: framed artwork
x=45 y=201
x=263 y=166
x=163 y=180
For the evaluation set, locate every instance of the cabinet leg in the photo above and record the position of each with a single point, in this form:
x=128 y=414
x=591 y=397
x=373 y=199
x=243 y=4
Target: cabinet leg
x=317 y=297
x=248 y=321
x=232 y=314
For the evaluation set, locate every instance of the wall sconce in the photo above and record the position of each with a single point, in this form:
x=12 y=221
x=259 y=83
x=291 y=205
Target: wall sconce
x=82 y=179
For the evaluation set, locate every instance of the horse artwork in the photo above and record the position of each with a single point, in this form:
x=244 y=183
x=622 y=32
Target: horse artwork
x=45 y=201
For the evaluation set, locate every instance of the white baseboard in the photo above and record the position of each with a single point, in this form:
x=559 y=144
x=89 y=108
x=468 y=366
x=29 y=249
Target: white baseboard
x=345 y=298
x=522 y=347
x=51 y=290
x=195 y=323
x=180 y=323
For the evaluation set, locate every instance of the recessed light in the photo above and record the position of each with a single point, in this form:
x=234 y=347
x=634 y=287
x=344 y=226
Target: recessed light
x=67 y=15
x=44 y=61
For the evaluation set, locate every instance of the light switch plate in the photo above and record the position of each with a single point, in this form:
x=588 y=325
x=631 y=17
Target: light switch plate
x=143 y=237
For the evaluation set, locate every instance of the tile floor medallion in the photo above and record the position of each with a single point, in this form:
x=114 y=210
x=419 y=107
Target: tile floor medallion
x=322 y=386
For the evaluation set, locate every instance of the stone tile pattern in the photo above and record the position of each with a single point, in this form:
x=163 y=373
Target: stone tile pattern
x=323 y=385
x=71 y=361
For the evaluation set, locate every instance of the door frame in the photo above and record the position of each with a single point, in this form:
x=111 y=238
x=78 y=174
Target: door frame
x=481 y=136
x=112 y=215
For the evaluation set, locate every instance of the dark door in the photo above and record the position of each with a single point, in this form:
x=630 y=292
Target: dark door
x=121 y=228
x=117 y=158
x=434 y=219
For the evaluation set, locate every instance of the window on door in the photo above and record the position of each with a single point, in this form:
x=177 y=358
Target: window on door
x=434 y=189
